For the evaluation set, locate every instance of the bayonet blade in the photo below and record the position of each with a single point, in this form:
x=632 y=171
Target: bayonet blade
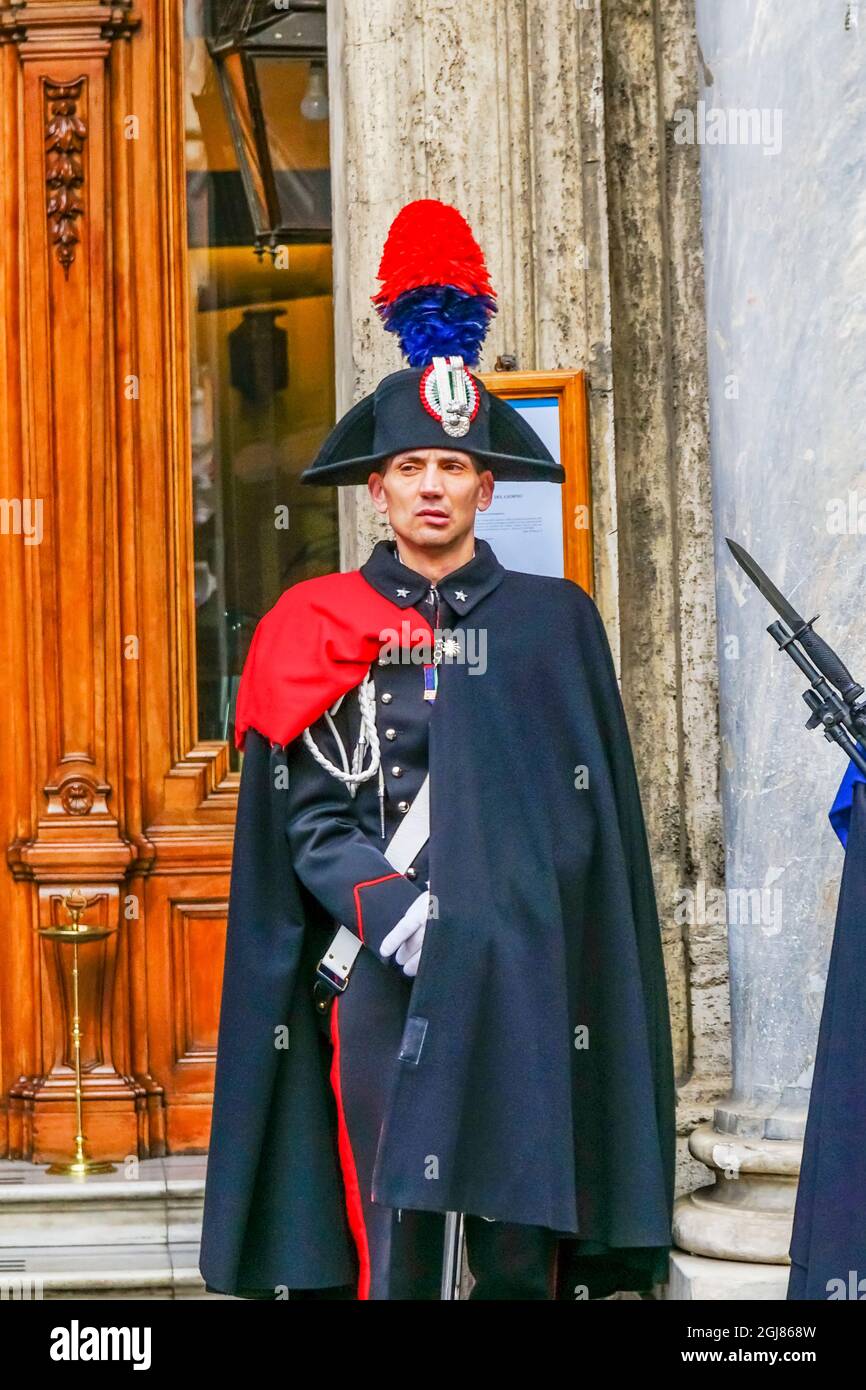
x=785 y=609
x=813 y=643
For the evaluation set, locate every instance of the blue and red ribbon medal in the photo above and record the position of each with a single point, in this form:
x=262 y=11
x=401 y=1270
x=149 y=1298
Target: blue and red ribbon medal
x=431 y=668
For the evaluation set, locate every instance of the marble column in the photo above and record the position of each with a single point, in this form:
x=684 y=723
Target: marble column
x=781 y=124
x=547 y=123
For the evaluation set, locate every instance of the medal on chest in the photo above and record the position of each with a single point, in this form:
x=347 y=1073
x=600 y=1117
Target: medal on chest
x=431 y=668
x=447 y=646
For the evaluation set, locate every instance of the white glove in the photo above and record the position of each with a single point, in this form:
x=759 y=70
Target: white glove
x=407 y=937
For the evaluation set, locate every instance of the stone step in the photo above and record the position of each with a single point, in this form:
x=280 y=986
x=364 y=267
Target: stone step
x=102 y=1271
x=697 y=1277
x=133 y=1233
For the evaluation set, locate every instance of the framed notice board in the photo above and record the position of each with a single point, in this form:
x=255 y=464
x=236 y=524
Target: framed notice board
x=545 y=528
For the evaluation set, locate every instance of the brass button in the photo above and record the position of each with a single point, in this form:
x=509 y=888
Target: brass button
x=403 y=806
x=397 y=771
x=391 y=733
x=411 y=873
x=386 y=697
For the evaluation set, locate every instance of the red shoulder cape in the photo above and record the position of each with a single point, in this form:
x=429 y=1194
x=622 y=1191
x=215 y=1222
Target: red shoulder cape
x=315 y=644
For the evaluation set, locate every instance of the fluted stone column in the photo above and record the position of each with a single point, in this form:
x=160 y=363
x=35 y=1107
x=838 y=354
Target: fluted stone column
x=544 y=121
x=785 y=248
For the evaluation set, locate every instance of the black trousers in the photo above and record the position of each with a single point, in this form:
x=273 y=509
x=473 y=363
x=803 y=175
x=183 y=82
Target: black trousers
x=400 y=1252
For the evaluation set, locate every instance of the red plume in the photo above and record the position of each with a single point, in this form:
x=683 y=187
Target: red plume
x=430 y=243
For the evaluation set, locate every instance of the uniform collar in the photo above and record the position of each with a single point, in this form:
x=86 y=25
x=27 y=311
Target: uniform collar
x=461 y=589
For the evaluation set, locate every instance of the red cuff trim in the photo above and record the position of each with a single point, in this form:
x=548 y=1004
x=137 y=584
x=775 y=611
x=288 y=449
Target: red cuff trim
x=368 y=883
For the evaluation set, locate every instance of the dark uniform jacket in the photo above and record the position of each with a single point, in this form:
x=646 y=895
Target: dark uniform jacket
x=336 y=840
x=536 y=1066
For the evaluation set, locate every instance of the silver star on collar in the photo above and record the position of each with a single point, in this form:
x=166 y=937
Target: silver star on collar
x=459 y=594
x=402 y=593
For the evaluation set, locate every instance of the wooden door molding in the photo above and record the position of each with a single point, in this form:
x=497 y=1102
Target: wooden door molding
x=63 y=53
x=107 y=787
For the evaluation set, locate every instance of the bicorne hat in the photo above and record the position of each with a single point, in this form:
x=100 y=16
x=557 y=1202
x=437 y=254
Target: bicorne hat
x=437 y=298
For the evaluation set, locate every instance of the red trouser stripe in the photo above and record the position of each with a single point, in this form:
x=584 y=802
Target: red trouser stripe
x=355 y=1211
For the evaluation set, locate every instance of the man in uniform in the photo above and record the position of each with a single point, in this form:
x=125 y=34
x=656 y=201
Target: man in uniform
x=418 y=869
x=430 y=497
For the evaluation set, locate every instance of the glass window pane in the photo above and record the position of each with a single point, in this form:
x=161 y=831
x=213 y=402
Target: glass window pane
x=261 y=348
x=298 y=148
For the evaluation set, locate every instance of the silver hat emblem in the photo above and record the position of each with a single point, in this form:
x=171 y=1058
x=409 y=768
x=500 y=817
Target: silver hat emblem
x=450 y=395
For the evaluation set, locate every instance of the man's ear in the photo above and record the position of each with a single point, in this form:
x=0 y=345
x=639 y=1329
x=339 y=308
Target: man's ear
x=488 y=484
x=377 y=491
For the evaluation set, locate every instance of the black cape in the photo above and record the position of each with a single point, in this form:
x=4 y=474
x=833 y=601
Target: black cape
x=546 y=1087
x=828 y=1241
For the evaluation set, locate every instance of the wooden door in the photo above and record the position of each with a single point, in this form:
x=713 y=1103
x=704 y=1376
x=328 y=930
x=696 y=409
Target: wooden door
x=109 y=785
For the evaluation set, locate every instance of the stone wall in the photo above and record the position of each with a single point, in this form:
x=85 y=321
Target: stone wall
x=549 y=126
x=664 y=507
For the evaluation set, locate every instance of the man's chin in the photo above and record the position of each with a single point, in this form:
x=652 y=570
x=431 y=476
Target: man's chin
x=428 y=534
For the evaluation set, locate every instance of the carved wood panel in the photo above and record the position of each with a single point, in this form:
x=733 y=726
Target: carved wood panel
x=105 y=784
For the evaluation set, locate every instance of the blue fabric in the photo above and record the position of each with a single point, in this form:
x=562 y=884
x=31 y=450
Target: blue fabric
x=840 y=811
x=828 y=1242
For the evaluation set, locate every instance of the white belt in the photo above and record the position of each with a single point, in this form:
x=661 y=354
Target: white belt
x=413 y=832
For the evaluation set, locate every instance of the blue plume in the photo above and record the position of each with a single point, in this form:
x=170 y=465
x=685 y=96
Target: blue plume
x=439 y=321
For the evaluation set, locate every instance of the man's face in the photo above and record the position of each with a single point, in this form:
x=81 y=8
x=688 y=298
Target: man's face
x=430 y=496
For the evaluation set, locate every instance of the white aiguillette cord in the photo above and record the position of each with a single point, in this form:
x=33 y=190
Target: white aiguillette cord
x=413 y=831
x=405 y=844
x=352 y=777
x=417 y=818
